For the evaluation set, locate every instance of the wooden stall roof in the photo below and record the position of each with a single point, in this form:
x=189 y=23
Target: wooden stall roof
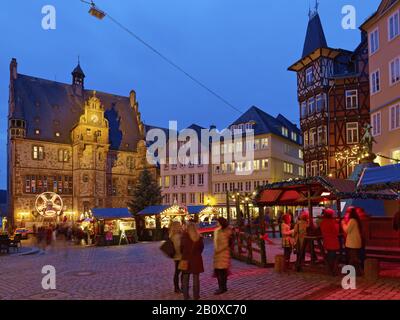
x=295 y=192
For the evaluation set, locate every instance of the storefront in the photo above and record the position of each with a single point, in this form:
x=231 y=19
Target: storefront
x=114 y=226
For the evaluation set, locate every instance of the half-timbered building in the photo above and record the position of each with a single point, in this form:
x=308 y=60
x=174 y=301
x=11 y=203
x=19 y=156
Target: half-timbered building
x=333 y=95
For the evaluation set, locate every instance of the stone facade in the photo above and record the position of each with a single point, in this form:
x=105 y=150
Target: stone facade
x=87 y=172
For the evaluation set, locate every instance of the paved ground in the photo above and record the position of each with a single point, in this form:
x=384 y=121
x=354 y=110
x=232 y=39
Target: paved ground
x=140 y=271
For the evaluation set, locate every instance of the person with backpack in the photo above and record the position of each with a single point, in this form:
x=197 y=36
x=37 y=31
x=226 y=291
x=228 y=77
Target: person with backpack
x=175 y=235
x=222 y=254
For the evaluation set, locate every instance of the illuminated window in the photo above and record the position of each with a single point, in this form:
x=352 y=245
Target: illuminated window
x=314 y=168
x=63 y=155
x=301 y=171
x=37 y=153
x=264 y=143
x=166 y=182
x=323 y=165
x=57 y=134
x=285 y=132
x=264 y=164
x=288 y=167
x=395 y=156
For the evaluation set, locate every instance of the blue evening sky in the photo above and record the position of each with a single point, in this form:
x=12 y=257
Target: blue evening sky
x=239 y=48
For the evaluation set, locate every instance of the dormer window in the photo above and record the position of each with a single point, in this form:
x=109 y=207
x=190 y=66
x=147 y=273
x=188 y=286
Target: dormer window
x=285 y=132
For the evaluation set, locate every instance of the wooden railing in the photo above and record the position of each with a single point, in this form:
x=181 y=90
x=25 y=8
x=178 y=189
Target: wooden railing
x=249 y=248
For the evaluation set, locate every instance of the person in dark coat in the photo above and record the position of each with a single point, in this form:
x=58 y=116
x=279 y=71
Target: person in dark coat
x=191 y=248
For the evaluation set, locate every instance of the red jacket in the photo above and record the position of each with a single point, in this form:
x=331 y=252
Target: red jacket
x=330 y=233
x=191 y=251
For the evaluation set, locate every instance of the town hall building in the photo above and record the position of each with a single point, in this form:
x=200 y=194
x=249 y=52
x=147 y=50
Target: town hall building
x=85 y=146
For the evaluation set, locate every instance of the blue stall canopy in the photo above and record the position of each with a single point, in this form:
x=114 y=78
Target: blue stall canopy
x=380 y=178
x=153 y=210
x=111 y=213
x=196 y=209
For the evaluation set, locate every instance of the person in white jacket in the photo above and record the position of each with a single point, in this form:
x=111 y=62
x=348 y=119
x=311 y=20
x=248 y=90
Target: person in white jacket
x=353 y=231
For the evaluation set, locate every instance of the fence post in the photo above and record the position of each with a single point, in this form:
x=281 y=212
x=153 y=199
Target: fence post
x=249 y=250
x=261 y=241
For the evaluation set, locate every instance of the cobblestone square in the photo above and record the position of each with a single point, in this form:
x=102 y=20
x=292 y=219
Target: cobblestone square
x=141 y=272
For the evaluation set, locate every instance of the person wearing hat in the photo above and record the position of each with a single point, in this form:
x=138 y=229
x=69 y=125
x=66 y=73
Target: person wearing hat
x=222 y=254
x=330 y=233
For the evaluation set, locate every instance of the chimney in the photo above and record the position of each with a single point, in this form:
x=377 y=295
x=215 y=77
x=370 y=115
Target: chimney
x=13 y=69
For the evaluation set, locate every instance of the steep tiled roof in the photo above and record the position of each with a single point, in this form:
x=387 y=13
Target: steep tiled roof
x=55 y=107
x=265 y=123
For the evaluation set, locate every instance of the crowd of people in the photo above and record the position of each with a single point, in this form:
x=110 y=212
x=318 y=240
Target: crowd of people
x=188 y=262
x=332 y=232
x=46 y=235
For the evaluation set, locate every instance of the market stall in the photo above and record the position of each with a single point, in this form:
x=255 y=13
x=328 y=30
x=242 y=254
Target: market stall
x=115 y=226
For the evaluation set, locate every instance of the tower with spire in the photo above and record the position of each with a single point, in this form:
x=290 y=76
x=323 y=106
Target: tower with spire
x=333 y=96
x=78 y=79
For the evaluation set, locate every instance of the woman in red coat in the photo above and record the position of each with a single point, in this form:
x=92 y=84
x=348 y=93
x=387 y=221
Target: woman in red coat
x=330 y=233
x=191 y=248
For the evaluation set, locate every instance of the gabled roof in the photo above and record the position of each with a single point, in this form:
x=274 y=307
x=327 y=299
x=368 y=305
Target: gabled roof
x=266 y=124
x=55 y=107
x=315 y=37
x=384 y=6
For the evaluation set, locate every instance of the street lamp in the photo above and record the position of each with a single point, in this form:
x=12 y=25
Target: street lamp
x=94 y=10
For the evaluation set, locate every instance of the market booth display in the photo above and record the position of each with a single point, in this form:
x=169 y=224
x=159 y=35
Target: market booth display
x=156 y=219
x=114 y=226
x=315 y=191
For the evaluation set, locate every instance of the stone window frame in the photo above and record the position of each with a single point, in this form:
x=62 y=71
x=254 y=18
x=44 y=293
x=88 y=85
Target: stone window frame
x=33 y=152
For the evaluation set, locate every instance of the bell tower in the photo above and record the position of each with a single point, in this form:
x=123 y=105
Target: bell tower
x=90 y=149
x=78 y=79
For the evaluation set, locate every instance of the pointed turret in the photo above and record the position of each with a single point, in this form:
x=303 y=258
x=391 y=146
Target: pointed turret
x=315 y=37
x=78 y=78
